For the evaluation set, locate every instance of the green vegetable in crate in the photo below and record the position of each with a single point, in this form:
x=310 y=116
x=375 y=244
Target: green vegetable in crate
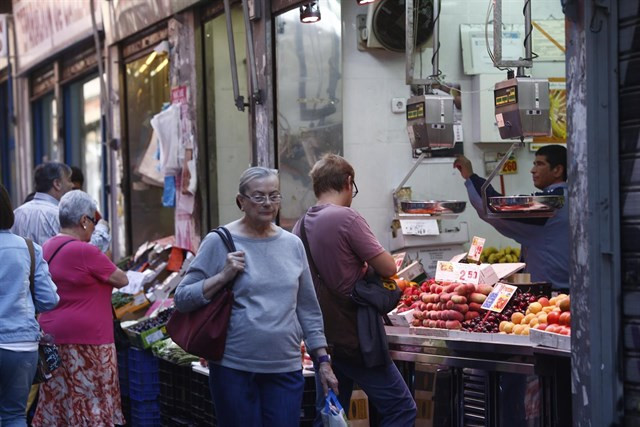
x=118 y=299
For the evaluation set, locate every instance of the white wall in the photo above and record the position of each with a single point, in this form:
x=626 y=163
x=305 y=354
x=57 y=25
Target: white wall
x=375 y=139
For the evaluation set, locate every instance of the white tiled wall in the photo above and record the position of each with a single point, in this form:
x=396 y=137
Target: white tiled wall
x=375 y=139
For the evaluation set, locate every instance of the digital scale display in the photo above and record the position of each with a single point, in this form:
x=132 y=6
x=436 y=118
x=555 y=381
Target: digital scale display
x=506 y=96
x=415 y=111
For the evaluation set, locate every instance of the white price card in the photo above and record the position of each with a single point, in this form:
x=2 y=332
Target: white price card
x=420 y=227
x=477 y=244
x=457 y=272
x=139 y=299
x=498 y=299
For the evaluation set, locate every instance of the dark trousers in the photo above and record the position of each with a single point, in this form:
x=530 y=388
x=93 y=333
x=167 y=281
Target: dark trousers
x=252 y=399
x=384 y=386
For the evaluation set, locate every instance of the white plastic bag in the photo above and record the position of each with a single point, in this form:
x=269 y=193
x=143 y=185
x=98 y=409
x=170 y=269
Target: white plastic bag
x=333 y=414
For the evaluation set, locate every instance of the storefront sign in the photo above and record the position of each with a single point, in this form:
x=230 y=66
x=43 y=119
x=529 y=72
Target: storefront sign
x=457 y=272
x=131 y=16
x=477 y=244
x=498 y=299
x=45 y=27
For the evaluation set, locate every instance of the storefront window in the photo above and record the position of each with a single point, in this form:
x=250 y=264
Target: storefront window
x=228 y=143
x=82 y=125
x=7 y=145
x=45 y=125
x=309 y=94
x=147 y=91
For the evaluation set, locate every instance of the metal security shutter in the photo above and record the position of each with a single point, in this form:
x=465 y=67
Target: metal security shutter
x=629 y=115
x=475 y=391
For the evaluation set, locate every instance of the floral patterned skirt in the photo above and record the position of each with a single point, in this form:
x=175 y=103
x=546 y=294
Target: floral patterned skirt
x=84 y=391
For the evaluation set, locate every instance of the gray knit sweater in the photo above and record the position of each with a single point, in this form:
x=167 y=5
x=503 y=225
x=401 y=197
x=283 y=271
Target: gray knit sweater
x=275 y=303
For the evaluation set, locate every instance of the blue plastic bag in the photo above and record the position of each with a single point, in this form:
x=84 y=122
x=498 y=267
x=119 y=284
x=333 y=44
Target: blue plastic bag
x=333 y=414
x=169 y=193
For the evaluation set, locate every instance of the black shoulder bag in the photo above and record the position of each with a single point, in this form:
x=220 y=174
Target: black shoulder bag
x=48 y=357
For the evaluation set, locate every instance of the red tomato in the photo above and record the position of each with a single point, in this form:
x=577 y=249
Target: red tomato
x=565 y=318
x=553 y=317
x=564 y=330
x=541 y=326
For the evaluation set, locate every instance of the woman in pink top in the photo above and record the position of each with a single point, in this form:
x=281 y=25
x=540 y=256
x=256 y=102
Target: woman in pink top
x=84 y=391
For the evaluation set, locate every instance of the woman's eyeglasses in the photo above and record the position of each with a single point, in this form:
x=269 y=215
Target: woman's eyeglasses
x=93 y=220
x=260 y=199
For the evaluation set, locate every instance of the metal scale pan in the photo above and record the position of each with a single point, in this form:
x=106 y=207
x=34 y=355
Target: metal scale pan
x=525 y=204
x=432 y=207
x=518 y=206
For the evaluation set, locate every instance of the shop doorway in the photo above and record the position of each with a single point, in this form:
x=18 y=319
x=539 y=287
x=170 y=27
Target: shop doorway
x=7 y=145
x=45 y=124
x=146 y=78
x=309 y=102
x=83 y=146
x=227 y=149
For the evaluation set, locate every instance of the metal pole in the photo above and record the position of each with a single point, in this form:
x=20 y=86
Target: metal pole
x=436 y=39
x=528 y=29
x=238 y=99
x=408 y=41
x=256 y=94
x=498 y=168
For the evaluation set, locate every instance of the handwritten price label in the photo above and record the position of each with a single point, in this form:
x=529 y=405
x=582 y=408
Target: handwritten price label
x=498 y=299
x=477 y=244
x=420 y=227
x=456 y=272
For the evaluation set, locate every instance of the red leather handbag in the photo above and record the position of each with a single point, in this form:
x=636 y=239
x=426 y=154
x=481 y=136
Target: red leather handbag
x=203 y=332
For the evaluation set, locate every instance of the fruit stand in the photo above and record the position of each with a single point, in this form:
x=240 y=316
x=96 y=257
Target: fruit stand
x=482 y=354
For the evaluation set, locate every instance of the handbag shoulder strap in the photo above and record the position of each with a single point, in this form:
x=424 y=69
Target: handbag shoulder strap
x=226 y=238
x=58 y=250
x=32 y=268
x=307 y=249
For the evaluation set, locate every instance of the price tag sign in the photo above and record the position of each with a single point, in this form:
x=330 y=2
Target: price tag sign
x=399 y=259
x=498 y=299
x=139 y=299
x=477 y=244
x=457 y=272
x=420 y=227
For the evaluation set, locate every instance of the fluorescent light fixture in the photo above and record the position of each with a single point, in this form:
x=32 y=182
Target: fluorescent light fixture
x=363 y=2
x=162 y=65
x=151 y=58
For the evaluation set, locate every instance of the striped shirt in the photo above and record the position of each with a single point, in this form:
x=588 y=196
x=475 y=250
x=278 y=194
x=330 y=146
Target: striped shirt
x=38 y=219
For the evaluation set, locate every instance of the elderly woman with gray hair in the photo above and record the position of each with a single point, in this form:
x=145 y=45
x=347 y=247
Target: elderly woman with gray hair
x=85 y=390
x=258 y=381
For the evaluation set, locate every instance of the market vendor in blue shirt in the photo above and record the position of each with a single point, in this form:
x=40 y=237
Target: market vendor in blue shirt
x=545 y=241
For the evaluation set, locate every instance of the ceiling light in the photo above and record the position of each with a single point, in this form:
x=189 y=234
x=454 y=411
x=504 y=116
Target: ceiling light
x=310 y=13
x=162 y=65
x=151 y=58
x=363 y=2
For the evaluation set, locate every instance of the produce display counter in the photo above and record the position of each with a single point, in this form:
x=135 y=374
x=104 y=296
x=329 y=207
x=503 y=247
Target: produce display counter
x=466 y=378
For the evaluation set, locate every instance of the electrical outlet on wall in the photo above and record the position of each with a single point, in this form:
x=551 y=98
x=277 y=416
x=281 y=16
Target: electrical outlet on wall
x=398 y=105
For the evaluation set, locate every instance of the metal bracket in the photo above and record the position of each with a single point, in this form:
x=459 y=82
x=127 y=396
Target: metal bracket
x=497 y=37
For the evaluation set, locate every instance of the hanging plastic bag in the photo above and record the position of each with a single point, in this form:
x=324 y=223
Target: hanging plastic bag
x=332 y=414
